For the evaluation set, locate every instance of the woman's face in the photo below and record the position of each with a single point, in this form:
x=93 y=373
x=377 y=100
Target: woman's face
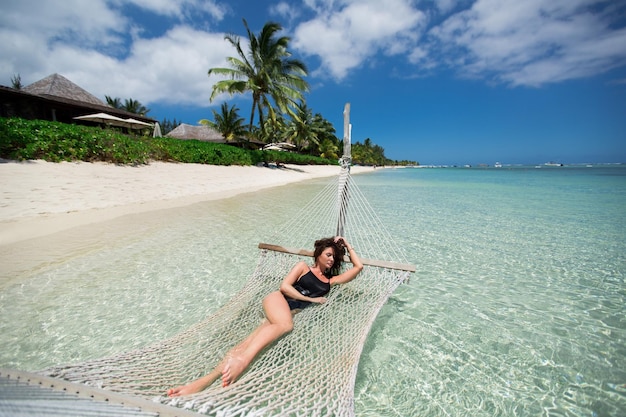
x=326 y=259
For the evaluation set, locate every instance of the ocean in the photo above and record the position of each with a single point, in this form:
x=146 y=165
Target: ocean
x=517 y=306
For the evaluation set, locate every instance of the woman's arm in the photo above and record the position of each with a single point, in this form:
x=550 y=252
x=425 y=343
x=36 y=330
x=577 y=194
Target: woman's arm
x=351 y=273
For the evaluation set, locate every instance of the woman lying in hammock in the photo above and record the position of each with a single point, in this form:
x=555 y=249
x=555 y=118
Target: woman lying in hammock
x=303 y=286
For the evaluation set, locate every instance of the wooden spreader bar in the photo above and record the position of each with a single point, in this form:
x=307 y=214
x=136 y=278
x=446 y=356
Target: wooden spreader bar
x=370 y=262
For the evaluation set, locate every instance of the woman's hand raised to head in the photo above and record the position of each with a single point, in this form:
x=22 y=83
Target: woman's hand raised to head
x=357 y=265
x=342 y=241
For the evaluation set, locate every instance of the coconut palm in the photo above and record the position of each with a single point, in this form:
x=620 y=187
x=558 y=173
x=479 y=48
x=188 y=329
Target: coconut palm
x=130 y=105
x=325 y=134
x=228 y=123
x=329 y=149
x=368 y=153
x=16 y=82
x=273 y=129
x=301 y=131
x=116 y=102
x=266 y=70
x=134 y=106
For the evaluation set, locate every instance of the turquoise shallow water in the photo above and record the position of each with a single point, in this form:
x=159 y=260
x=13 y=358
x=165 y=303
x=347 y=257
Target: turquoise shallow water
x=517 y=306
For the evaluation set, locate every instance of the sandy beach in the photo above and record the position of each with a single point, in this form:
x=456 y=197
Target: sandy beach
x=51 y=210
x=40 y=198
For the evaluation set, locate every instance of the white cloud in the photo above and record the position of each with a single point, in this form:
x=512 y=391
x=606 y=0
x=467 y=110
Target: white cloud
x=530 y=42
x=84 y=42
x=322 y=6
x=174 y=68
x=88 y=23
x=171 y=69
x=178 y=8
x=285 y=10
x=28 y=41
x=344 y=35
x=444 y=6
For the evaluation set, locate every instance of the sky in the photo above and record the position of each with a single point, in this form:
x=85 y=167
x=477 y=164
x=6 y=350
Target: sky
x=432 y=81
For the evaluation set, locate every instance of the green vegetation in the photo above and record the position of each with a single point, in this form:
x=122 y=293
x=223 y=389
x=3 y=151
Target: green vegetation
x=16 y=82
x=22 y=139
x=228 y=123
x=266 y=70
x=369 y=154
x=168 y=125
x=130 y=105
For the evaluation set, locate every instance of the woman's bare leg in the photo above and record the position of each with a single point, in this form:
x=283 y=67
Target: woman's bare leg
x=279 y=321
x=236 y=359
x=202 y=383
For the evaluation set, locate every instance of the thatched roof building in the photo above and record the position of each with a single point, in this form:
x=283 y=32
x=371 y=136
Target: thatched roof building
x=56 y=98
x=56 y=85
x=208 y=134
x=203 y=133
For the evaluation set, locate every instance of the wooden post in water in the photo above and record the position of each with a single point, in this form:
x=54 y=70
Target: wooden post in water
x=347 y=135
x=345 y=162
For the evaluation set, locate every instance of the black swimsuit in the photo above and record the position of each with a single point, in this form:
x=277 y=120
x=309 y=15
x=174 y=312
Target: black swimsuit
x=310 y=286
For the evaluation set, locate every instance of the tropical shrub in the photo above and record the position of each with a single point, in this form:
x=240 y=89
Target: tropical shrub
x=22 y=139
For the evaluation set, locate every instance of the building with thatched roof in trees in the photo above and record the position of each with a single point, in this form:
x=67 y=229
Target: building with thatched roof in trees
x=208 y=134
x=56 y=85
x=56 y=98
x=203 y=133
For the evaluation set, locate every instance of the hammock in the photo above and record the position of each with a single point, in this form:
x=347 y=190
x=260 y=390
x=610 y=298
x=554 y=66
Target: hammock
x=308 y=372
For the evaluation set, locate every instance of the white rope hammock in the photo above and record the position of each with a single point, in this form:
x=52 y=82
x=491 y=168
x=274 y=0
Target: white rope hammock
x=310 y=371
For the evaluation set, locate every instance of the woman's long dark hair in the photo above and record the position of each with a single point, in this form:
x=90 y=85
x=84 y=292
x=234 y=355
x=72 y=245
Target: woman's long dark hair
x=340 y=252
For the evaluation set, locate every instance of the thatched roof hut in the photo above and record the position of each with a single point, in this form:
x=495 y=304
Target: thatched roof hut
x=203 y=133
x=56 y=98
x=57 y=85
x=208 y=134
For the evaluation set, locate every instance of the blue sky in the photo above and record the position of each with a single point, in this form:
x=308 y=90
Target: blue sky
x=437 y=81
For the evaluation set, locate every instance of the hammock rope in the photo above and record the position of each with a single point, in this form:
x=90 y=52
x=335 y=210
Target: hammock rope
x=308 y=372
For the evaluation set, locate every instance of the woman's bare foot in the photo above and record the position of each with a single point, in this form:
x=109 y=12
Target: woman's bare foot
x=182 y=390
x=234 y=367
x=195 y=386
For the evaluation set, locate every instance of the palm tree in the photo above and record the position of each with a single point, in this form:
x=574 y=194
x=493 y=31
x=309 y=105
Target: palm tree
x=301 y=131
x=116 y=103
x=228 y=123
x=273 y=130
x=368 y=153
x=328 y=149
x=168 y=125
x=379 y=155
x=266 y=70
x=134 y=106
x=130 y=105
x=16 y=82
x=325 y=134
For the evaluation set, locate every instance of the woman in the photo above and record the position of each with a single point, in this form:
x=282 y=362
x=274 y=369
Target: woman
x=302 y=287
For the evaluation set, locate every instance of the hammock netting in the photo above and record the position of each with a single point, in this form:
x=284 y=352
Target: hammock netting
x=308 y=372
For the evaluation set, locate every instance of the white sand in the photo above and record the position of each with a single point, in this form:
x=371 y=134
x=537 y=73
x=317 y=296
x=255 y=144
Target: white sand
x=40 y=198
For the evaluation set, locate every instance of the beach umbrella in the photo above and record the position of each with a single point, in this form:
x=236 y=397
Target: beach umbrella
x=280 y=146
x=285 y=145
x=157 y=131
x=104 y=118
x=137 y=124
x=272 y=147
